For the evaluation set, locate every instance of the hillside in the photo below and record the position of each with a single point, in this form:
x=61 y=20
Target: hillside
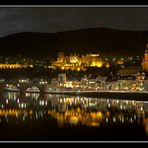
x=96 y=40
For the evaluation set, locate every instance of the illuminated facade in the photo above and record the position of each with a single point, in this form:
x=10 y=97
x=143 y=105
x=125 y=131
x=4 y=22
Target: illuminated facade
x=145 y=61
x=75 y=62
x=14 y=66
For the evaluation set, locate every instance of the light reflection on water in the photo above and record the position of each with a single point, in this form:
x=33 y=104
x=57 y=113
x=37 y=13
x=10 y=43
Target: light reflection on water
x=71 y=111
x=33 y=95
x=11 y=95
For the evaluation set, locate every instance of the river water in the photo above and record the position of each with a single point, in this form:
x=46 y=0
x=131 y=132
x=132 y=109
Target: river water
x=47 y=117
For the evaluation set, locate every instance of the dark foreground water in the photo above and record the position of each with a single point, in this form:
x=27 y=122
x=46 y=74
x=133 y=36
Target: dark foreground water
x=56 y=118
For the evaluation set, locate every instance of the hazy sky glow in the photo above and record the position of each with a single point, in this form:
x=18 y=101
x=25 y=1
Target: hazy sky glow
x=13 y=20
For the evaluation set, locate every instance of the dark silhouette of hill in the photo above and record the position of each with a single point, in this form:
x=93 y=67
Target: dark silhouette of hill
x=105 y=41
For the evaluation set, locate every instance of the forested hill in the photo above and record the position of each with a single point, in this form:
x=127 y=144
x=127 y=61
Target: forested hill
x=105 y=41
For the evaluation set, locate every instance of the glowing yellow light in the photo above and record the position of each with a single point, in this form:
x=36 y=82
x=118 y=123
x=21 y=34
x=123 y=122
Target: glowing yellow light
x=77 y=63
x=93 y=115
x=73 y=119
x=120 y=62
x=108 y=113
x=107 y=65
x=99 y=115
x=94 y=124
x=31 y=66
x=31 y=112
x=100 y=64
x=13 y=66
x=62 y=68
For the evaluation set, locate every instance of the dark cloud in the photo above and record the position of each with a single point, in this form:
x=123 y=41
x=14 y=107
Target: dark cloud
x=60 y=19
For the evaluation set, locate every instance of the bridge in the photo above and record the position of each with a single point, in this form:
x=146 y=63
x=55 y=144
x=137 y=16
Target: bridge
x=23 y=88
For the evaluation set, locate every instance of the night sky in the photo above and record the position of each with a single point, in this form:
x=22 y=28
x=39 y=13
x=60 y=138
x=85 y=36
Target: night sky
x=13 y=20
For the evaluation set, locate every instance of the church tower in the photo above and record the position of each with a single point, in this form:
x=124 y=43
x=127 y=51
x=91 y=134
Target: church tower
x=145 y=60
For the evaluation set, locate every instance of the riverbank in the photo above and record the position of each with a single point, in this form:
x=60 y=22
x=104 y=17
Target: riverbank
x=139 y=96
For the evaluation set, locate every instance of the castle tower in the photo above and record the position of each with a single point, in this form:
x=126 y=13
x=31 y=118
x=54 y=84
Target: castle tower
x=145 y=60
x=61 y=57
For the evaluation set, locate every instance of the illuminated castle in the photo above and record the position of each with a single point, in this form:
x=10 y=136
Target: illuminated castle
x=145 y=60
x=76 y=62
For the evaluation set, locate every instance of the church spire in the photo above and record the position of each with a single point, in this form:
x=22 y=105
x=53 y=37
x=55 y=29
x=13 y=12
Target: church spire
x=146 y=46
x=145 y=61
